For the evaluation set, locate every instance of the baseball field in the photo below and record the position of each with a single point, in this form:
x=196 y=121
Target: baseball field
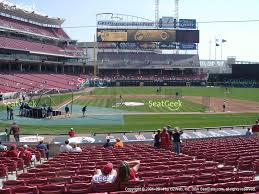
x=143 y=108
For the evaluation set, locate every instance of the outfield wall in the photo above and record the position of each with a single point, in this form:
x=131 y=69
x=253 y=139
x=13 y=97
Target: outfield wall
x=110 y=83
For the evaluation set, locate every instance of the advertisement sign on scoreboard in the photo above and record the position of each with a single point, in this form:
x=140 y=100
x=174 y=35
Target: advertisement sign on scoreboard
x=187 y=23
x=187 y=46
x=147 y=45
x=112 y=36
x=107 y=45
x=151 y=35
x=128 y=45
x=167 y=45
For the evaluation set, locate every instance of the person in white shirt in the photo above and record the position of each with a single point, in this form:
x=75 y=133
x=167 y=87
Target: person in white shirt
x=66 y=147
x=75 y=148
x=105 y=175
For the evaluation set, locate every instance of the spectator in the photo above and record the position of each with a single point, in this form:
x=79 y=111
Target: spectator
x=2 y=147
x=157 y=139
x=28 y=153
x=248 y=132
x=66 y=147
x=12 y=152
x=11 y=113
x=125 y=173
x=8 y=111
x=105 y=175
x=15 y=130
x=49 y=112
x=43 y=147
x=255 y=128
x=72 y=133
x=107 y=144
x=119 y=143
x=84 y=110
x=177 y=140
x=67 y=111
x=165 y=139
x=75 y=148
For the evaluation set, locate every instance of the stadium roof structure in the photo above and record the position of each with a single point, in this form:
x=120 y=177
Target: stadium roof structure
x=7 y=8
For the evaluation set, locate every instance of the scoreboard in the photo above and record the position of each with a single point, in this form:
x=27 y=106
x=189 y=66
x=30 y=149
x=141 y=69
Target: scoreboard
x=147 y=35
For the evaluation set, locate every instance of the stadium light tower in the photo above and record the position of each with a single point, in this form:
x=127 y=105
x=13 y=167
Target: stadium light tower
x=157 y=13
x=176 y=11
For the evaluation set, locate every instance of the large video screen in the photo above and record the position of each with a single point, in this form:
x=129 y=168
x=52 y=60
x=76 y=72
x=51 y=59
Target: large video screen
x=138 y=35
x=187 y=36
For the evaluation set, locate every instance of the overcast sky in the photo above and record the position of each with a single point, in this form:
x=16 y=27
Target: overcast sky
x=242 y=38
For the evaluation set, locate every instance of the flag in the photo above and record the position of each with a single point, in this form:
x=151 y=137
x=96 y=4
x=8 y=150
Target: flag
x=223 y=40
x=217 y=44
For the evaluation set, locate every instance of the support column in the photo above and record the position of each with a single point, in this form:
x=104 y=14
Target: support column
x=10 y=67
x=63 y=69
x=40 y=68
x=73 y=69
x=84 y=69
x=56 y=69
x=21 y=67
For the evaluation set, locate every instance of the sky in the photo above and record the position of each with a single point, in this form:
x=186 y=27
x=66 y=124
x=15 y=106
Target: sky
x=242 y=38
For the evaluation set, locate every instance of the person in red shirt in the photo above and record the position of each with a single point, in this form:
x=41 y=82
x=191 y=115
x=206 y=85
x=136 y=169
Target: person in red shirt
x=165 y=139
x=72 y=133
x=12 y=152
x=15 y=130
x=127 y=173
x=255 y=128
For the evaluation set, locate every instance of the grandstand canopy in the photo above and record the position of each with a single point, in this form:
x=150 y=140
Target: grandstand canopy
x=15 y=11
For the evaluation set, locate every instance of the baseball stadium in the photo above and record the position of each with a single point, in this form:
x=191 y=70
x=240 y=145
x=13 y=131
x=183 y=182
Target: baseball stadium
x=130 y=98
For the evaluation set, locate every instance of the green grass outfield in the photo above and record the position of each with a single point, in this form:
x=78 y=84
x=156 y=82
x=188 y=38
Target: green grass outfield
x=149 y=122
x=180 y=106
x=251 y=94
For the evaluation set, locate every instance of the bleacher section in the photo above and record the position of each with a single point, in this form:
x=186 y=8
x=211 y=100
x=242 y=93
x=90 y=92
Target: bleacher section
x=71 y=172
x=152 y=58
x=9 y=23
x=150 y=75
x=35 y=81
x=37 y=47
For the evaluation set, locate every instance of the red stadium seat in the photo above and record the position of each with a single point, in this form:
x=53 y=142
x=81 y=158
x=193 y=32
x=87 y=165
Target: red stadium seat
x=105 y=187
x=6 y=191
x=36 y=182
x=78 y=188
x=25 y=176
x=24 y=189
x=13 y=183
x=51 y=189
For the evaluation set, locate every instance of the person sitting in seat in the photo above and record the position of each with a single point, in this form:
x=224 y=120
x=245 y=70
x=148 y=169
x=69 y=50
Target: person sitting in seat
x=248 y=132
x=107 y=144
x=43 y=147
x=66 y=147
x=126 y=173
x=75 y=148
x=72 y=133
x=28 y=153
x=105 y=175
x=118 y=144
x=12 y=152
